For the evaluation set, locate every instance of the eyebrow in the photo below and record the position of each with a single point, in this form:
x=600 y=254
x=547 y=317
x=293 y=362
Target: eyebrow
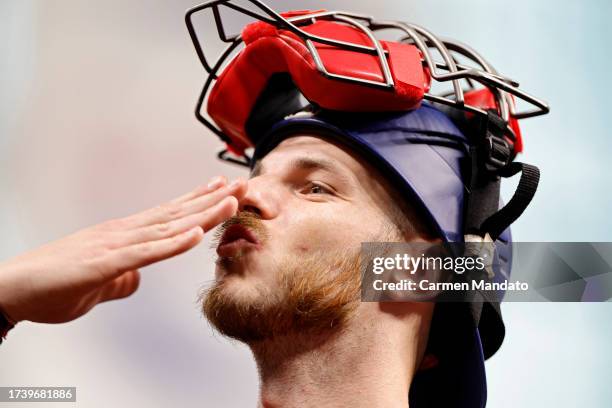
x=309 y=163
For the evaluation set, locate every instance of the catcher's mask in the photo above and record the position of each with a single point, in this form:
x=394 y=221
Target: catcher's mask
x=310 y=71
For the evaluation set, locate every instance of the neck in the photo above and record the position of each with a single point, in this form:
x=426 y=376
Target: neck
x=370 y=362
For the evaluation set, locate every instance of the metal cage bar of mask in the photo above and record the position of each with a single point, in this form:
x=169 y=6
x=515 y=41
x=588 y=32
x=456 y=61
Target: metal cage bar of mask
x=449 y=70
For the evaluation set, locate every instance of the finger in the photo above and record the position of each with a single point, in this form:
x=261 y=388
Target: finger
x=207 y=219
x=237 y=188
x=146 y=253
x=171 y=211
x=214 y=184
x=120 y=287
x=226 y=209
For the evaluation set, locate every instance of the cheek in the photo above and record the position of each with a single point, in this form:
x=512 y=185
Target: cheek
x=325 y=229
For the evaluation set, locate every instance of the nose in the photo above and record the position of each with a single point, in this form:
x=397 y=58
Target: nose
x=262 y=197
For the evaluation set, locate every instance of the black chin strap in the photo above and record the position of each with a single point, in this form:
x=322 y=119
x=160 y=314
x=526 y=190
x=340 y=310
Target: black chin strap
x=491 y=159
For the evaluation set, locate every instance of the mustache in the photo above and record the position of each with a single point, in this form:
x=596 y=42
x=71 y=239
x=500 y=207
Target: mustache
x=247 y=219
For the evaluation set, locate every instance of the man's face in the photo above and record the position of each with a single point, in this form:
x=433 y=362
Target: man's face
x=309 y=205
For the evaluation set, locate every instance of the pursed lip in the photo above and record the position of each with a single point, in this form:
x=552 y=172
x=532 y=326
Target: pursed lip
x=236 y=237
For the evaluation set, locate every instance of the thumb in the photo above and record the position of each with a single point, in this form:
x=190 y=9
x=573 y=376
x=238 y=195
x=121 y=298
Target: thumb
x=120 y=287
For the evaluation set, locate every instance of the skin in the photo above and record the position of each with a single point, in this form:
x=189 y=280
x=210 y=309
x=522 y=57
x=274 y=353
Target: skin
x=64 y=279
x=308 y=207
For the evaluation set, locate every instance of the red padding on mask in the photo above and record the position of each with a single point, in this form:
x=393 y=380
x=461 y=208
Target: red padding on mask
x=270 y=51
x=484 y=99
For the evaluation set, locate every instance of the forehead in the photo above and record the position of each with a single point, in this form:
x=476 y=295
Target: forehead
x=366 y=183
x=314 y=147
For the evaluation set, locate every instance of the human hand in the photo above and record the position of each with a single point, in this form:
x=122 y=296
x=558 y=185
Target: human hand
x=64 y=279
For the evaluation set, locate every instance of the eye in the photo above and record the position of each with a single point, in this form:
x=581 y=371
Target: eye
x=317 y=188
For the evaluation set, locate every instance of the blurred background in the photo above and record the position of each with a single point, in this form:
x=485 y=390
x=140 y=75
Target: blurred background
x=96 y=122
